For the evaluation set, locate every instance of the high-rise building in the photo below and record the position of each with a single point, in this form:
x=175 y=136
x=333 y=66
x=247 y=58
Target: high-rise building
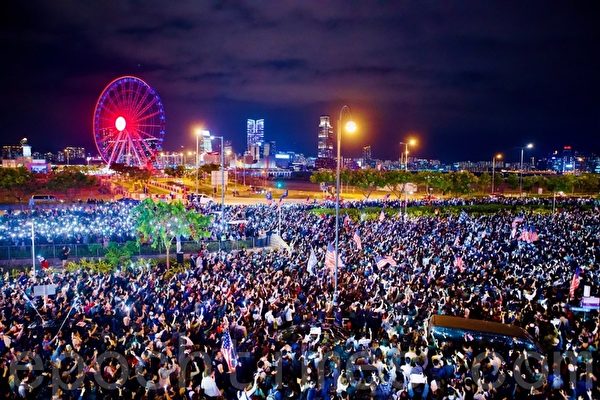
x=250 y=130
x=11 y=152
x=206 y=144
x=75 y=152
x=74 y=155
x=228 y=147
x=366 y=153
x=269 y=148
x=325 y=149
x=255 y=132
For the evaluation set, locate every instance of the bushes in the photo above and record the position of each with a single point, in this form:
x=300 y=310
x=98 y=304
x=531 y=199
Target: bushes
x=91 y=266
x=370 y=213
x=120 y=254
x=102 y=266
x=176 y=269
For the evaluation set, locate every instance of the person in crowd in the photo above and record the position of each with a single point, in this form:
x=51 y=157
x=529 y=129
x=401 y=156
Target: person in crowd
x=374 y=341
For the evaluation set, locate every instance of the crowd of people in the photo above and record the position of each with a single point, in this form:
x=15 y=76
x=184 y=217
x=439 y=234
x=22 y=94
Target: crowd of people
x=370 y=339
x=79 y=223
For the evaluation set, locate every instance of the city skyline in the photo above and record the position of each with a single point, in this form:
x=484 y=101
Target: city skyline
x=497 y=75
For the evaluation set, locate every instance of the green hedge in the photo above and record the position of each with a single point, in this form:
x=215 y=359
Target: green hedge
x=370 y=213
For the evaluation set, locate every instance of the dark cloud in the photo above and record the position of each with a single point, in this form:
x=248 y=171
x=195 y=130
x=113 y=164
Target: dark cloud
x=493 y=75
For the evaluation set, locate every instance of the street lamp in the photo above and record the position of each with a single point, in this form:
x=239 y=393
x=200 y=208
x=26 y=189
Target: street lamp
x=528 y=146
x=204 y=133
x=409 y=142
x=32 y=244
x=222 y=181
x=496 y=157
x=235 y=161
x=350 y=127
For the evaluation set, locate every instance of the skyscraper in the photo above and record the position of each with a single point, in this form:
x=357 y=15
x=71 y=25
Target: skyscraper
x=250 y=130
x=255 y=132
x=366 y=154
x=325 y=149
x=206 y=144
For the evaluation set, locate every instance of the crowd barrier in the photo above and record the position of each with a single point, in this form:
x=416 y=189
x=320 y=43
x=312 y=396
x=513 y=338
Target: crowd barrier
x=78 y=250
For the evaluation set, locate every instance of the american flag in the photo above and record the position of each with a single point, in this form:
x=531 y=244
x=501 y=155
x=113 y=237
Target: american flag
x=574 y=283
x=330 y=258
x=357 y=240
x=382 y=261
x=533 y=235
x=529 y=234
x=283 y=196
x=381 y=215
x=228 y=351
x=463 y=217
x=459 y=263
x=347 y=220
x=524 y=235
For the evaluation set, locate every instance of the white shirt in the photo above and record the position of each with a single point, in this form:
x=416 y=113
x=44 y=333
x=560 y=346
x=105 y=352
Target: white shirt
x=209 y=386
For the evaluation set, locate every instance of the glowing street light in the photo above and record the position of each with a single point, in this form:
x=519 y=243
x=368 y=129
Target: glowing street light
x=410 y=142
x=496 y=157
x=349 y=127
x=204 y=133
x=527 y=146
x=207 y=134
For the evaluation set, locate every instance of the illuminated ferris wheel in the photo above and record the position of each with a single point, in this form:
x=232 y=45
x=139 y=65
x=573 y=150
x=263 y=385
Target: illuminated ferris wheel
x=129 y=123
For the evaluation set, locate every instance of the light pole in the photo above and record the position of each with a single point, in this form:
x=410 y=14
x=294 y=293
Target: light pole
x=350 y=128
x=32 y=246
x=496 y=157
x=198 y=132
x=409 y=142
x=222 y=181
x=234 y=168
x=528 y=146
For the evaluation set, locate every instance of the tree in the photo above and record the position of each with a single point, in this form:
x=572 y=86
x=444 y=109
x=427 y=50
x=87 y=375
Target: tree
x=485 y=182
x=463 y=182
x=588 y=183
x=177 y=172
x=18 y=181
x=163 y=222
x=323 y=176
x=396 y=181
x=440 y=181
x=366 y=180
x=137 y=174
x=512 y=180
x=562 y=183
x=70 y=178
x=14 y=177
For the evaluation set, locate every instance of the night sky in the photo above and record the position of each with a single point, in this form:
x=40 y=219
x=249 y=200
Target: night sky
x=470 y=77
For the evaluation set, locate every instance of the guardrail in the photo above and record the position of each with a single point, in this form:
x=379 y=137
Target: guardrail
x=78 y=250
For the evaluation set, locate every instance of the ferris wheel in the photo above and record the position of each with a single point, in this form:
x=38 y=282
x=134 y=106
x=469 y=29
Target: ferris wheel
x=129 y=123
